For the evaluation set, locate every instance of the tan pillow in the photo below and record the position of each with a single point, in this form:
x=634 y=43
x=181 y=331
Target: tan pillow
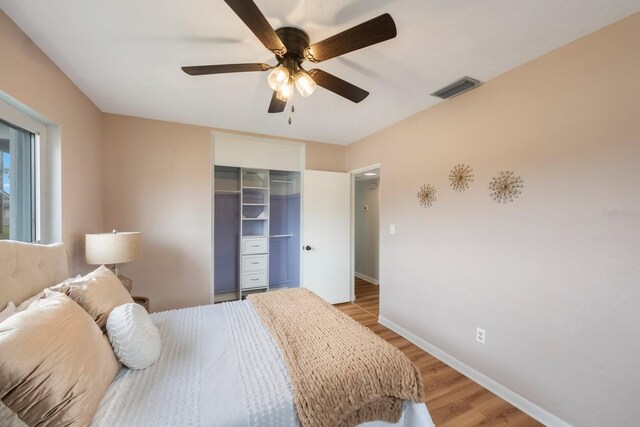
x=98 y=293
x=56 y=364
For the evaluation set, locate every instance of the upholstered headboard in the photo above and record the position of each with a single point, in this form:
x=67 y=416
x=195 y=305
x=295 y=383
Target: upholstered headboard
x=26 y=269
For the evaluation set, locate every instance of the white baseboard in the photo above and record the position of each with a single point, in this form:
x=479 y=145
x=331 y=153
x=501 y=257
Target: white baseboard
x=367 y=278
x=499 y=390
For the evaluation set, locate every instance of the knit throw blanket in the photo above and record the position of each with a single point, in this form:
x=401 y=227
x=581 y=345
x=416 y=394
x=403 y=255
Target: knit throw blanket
x=342 y=373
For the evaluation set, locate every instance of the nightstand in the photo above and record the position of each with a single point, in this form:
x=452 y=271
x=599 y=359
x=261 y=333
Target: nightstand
x=143 y=301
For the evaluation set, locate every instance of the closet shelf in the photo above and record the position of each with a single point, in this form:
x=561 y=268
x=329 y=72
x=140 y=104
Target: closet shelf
x=276 y=236
x=255 y=188
x=227 y=191
x=281 y=181
x=255 y=219
x=255 y=204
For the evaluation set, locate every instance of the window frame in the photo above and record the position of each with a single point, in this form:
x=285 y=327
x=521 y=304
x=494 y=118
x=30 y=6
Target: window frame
x=19 y=119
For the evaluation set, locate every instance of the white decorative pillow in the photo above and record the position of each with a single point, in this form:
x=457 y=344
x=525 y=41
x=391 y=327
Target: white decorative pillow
x=7 y=311
x=133 y=336
x=23 y=306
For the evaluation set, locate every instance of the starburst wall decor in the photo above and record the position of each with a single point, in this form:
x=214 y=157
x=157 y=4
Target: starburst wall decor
x=461 y=176
x=505 y=187
x=427 y=195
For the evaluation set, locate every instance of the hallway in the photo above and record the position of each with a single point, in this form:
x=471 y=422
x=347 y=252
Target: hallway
x=367 y=297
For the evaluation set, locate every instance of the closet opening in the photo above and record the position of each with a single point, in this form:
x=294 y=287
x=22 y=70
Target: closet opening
x=256 y=231
x=366 y=220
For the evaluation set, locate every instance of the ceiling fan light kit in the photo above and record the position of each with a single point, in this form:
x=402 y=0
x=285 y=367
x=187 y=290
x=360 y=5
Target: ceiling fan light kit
x=291 y=47
x=286 y=75
x=286 y=91
x=278 y=77
x=304 y=83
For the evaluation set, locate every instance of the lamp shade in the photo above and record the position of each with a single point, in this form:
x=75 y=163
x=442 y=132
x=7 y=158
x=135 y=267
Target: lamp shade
x=112 y=248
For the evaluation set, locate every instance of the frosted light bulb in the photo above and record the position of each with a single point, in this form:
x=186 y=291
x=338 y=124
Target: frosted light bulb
x=286 y=91
x=305 y=84
x=278 y=77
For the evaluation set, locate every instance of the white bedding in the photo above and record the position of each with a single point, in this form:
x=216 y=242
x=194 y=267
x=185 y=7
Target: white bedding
x=219 y=366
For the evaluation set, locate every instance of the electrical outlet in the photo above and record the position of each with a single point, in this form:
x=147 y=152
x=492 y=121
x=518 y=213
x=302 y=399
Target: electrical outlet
x=480 y=335
x=392 y=229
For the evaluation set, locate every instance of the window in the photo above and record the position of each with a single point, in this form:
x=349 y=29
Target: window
x=18 y=187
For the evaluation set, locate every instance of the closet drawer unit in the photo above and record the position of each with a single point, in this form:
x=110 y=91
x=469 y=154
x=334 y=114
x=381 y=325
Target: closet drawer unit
x=254 y=280
x=254 y=246
x=254 y=263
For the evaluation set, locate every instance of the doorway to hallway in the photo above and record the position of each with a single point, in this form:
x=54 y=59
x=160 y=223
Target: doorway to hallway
x=366 y=238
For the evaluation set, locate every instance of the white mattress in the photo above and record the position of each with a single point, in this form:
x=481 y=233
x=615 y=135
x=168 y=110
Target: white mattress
x=219 y=366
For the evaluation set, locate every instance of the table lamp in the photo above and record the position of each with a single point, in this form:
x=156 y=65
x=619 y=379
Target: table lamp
x=113 y=249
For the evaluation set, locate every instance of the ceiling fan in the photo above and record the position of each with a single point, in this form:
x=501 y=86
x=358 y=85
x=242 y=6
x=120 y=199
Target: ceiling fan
x=291 y=48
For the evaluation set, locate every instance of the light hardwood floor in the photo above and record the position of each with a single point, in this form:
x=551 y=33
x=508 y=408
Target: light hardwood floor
x=453 y=399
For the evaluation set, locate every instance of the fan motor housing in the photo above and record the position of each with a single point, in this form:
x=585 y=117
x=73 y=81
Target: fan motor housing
x=295 y=40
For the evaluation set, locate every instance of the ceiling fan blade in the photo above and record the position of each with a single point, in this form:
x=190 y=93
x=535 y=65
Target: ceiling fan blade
x=255 y=20
x=277 y=105
x=199 y=70
x=338 y=86
x=366 y=34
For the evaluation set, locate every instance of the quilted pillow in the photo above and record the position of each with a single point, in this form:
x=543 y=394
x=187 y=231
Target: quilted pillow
x=98 y=293
x=133 y=336
x=55 y=367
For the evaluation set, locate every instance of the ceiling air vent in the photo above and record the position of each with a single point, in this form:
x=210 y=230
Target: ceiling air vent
x=456 y=88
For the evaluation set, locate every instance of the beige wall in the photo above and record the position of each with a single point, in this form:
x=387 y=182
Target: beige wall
x=29 y=76
x=553 y=277
x=157 y=180
x=325 y=157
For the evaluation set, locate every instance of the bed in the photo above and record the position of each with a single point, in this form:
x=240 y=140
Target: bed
x=220 y=365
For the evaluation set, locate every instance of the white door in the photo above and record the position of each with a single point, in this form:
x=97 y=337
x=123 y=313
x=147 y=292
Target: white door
x=327 y=222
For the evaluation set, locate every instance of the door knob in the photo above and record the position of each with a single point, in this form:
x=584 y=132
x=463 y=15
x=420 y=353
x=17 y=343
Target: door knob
x=306 y=248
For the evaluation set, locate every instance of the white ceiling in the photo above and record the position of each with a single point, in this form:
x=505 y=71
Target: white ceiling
x=126 y=55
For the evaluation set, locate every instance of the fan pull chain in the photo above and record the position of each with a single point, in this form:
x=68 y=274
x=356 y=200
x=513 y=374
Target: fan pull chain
x=293 y=109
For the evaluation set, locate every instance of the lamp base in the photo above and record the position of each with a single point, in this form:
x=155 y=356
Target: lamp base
x=126 y=282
